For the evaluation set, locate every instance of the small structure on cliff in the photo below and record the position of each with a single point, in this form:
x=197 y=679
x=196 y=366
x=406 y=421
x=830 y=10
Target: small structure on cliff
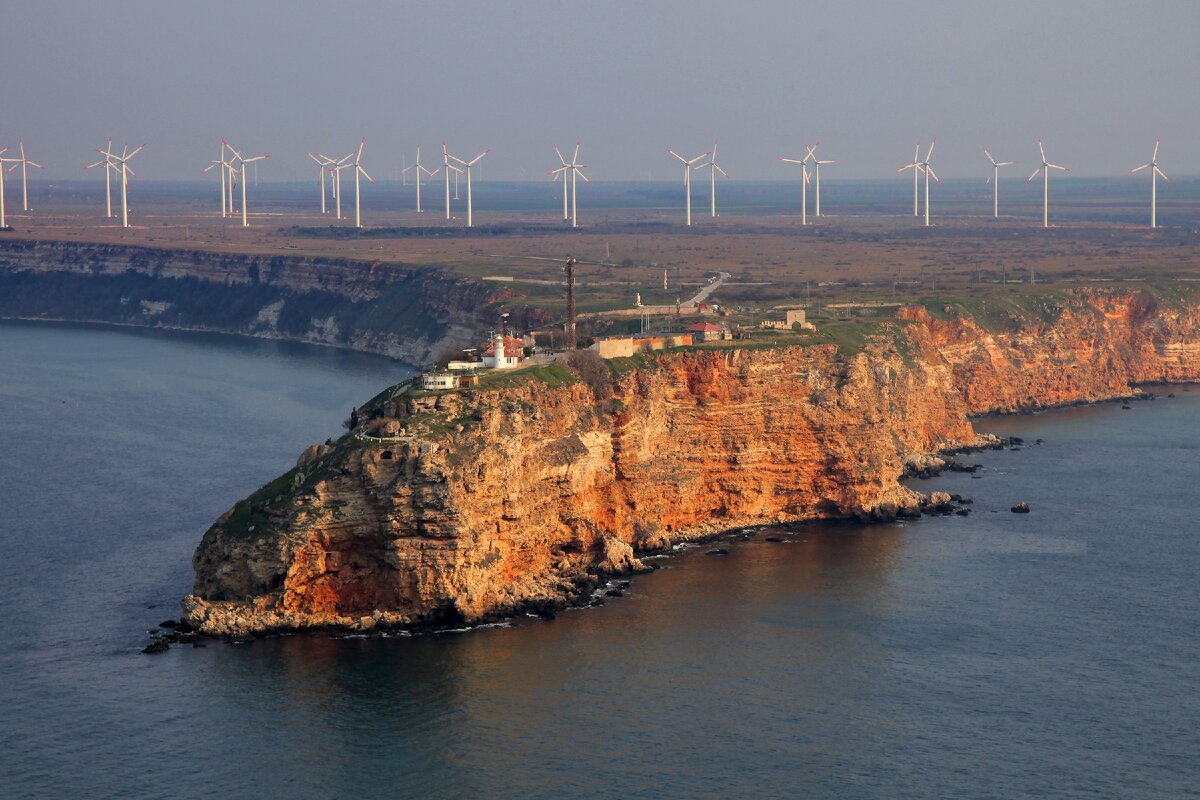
x=793 y=317
x=708 y=332
x=625 y=346
x=502 y=352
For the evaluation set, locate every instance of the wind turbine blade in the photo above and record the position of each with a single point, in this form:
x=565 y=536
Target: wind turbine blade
x=1034 y=175
x=1056 y=166
x=681 y=158
x=1138 y=169
x=579 y=172
x=558 y=153
x=1006 y=163
x=89 y=166
x=989 y=157
x=932 y=174
x=1152 y=158
x=361 y=145
x=575 y=157
x=828 y=161
x=697 y=158
x=714 y=150
x=365 y=175
x=1042 y=150
x=476 y=159
x=718 y=169
x=988 y=181
x=1162 y=174
x=930 y=153
x=791 y=160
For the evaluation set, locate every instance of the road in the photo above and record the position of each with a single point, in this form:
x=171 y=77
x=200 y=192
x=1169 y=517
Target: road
x=707 y=290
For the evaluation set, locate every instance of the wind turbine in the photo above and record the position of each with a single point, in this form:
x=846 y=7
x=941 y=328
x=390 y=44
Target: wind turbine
x=448 y=167
x=688 y=166
x=242 y=162
x=995 y=179
x=419 y=169
x=226 y=170
x=123 y=160
x=25 y=164
x=466 y=166
x=1155 y=173
x=713 y=169
x=3 y=169
x=917 y=169
x=108 y=170
x=803 y=162
x=323 y=163
x=817 y=170
x=1045 y=170
x=570 y=172
x=358 y=170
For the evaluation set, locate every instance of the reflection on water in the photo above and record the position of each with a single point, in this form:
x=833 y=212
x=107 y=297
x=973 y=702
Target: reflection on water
x=996 y=655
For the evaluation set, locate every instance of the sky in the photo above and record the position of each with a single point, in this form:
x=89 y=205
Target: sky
x=1098 y=80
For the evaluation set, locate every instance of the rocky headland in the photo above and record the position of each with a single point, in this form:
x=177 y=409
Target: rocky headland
x=411 y=313
x=452 y=508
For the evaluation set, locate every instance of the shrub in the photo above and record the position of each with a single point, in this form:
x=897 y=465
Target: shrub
x=592 y=370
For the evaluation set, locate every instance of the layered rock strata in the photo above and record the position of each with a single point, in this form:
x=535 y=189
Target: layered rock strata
x=500 y=498
x=407 y=312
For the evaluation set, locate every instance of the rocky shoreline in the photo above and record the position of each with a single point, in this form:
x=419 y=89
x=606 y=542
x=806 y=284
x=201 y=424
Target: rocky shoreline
x=516 y=497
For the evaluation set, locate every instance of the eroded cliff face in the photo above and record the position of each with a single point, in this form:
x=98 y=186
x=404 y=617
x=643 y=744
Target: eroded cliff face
x=494 y=499
x=1086 y=345
x=410 y=313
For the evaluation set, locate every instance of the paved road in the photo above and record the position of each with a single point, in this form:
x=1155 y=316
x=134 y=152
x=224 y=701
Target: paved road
x=707 y=290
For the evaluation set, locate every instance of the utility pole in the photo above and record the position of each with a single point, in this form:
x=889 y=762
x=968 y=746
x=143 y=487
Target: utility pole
x=570 y=327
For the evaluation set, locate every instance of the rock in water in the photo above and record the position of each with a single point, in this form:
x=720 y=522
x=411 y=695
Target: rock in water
x=1021 y=508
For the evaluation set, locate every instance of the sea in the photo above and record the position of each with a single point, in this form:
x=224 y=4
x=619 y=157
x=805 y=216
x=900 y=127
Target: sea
x=1054 y=654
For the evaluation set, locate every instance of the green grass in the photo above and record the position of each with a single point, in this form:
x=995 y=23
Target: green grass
x=552 y=375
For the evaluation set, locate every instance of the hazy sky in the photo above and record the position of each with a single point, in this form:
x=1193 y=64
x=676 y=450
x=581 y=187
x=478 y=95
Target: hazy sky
x=1098 y=80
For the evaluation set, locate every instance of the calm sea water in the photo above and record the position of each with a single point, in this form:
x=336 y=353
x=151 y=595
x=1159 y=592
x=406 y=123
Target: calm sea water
x=1049 y=655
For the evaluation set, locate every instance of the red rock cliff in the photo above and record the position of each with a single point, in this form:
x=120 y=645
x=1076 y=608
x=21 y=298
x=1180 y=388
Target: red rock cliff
x=494 y=499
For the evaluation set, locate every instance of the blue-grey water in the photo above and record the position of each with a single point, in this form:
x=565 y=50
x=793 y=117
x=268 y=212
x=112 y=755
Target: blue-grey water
x=994 y=656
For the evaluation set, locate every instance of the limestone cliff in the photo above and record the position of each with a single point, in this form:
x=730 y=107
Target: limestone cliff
x=490 y=500
x=407 y=312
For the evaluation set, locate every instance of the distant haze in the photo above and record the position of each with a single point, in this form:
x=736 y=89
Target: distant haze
x=1098 y=80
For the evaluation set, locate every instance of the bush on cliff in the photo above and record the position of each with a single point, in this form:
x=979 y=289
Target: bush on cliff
x=592 y=370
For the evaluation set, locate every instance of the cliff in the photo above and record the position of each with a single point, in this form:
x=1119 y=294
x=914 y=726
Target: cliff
x=484 y=502
x=410 y=313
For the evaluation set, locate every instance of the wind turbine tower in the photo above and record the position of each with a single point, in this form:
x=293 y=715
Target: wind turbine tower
x=1045 y=170
x=713 y=169
x=803 y=162
x=323 y=164
x=688 y=166
x=817 y=163
x=419 y=169
x=3 y=169
x=358 y=170
x=123 y=161
x=1155 y=174
x=466 y=167
x=448 y=168
x=995 y=179
x=917 y=169
x=570 y=172
x=108 y=170
x=25 y=164
x=242 y=162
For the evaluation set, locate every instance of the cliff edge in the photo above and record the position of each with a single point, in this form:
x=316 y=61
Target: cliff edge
x=463 y=506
